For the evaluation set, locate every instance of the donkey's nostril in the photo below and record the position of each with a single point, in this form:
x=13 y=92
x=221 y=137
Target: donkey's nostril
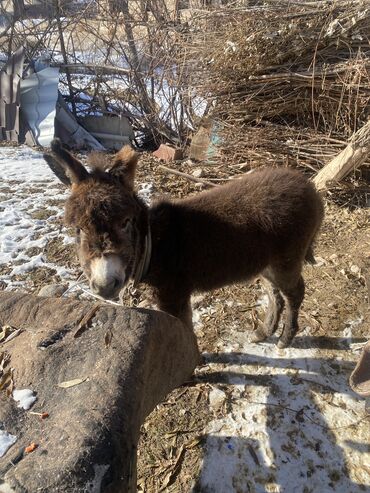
x=107 y=289
x=116 y=284
x=112 y=285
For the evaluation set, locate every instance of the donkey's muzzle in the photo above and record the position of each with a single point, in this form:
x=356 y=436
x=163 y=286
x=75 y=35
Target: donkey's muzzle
x=108 y=291
x=107 y=276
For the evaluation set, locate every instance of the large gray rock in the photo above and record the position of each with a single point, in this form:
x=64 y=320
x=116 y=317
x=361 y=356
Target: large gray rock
x=52 y=290
x=129 y=360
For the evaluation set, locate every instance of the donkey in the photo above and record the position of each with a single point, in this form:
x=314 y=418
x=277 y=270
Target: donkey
x=262 y=224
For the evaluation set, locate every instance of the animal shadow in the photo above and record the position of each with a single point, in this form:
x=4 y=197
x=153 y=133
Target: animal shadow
x=290 y=428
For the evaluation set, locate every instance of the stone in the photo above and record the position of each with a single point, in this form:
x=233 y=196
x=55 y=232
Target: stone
x=52 y=290
x=216 y=399
x=198 y=173
x=96 y=381
x=168 y=153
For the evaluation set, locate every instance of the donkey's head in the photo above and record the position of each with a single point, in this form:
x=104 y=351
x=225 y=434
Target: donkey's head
x=109 y=220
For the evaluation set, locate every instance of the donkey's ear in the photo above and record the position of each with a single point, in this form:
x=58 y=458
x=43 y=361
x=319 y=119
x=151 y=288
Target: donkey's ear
x=124 y=165
x=67 y=168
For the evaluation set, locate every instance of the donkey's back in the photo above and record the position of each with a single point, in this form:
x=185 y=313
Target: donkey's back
x=232 y=232
x=268 y=198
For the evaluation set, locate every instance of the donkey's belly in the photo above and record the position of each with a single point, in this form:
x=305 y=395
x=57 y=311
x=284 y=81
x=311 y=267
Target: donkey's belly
x=226 y=273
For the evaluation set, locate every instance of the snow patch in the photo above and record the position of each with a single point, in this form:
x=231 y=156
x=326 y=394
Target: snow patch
x=25 y=398
x=6 y=441
x=94 y=486
x=31 y=207
x=291 y=418
x=145 y=192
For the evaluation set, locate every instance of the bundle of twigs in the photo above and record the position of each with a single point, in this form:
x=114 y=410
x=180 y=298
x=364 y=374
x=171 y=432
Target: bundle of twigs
x=277 y=145
x=305 y=63
x=268 y=144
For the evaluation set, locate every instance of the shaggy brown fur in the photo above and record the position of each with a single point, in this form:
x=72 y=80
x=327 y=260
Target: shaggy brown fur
x=263 y=224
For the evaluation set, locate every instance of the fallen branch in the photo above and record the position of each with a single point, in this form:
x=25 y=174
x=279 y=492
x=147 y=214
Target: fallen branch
x=349 y=159
x=188 y=177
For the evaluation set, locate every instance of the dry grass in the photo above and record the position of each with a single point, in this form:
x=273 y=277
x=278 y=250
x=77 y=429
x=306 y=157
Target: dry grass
x=245 y=147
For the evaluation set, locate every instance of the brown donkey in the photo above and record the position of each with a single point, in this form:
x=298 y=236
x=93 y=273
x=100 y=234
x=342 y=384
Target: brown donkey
x=263 y=224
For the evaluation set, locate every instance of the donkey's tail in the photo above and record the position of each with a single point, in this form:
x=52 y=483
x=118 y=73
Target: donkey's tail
x=318 y=215
x=310 y=257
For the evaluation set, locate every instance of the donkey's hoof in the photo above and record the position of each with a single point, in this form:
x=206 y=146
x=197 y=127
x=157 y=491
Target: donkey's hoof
x=258 y=336
x=283 y=344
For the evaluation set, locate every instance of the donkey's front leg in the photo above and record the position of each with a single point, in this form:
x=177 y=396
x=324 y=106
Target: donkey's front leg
x=178 y=306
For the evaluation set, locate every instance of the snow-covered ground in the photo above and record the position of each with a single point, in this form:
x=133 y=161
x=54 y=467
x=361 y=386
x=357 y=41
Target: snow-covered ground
x=27 y=186
x=285 y=420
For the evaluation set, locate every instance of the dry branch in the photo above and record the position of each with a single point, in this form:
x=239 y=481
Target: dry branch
x=353 y=156
x=287 y=62
x=64 y=53
x=83 y=68
x=188 y=177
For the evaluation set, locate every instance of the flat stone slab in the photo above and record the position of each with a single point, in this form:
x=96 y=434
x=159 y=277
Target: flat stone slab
x=115 y=365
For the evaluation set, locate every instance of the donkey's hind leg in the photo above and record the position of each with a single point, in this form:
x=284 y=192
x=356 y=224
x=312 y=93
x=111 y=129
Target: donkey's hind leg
x=289 y=280
x=294 y=296
x=274 y=310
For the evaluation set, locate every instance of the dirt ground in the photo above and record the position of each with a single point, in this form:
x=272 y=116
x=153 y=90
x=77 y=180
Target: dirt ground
x=254 y=418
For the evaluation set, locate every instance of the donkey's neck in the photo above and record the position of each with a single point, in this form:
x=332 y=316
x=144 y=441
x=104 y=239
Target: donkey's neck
x=143 y=243
x=162 y=224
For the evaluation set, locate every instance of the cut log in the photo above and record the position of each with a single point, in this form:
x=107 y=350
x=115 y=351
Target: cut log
x=349 y=159
x=94 y=390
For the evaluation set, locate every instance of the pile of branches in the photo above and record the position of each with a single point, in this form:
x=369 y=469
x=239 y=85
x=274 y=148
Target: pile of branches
x=116 y=57
x=297 y=63
x=270 y=144
x=300 y=64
